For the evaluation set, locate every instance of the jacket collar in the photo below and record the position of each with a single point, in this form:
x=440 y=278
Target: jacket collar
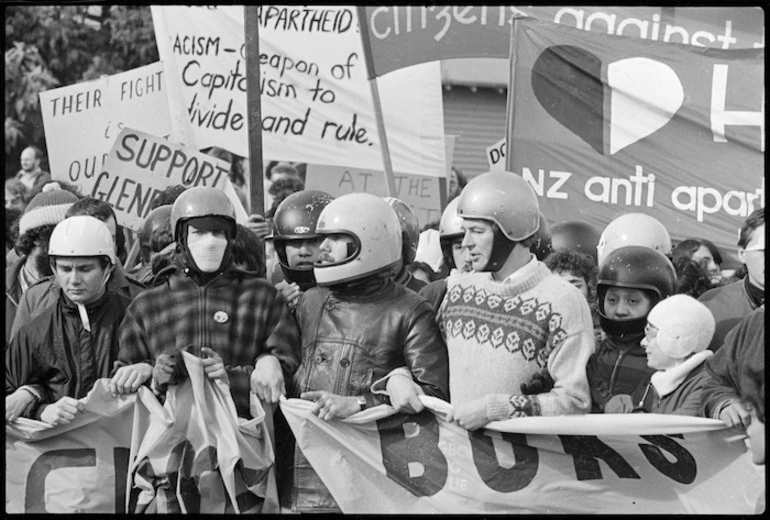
x=666 y=381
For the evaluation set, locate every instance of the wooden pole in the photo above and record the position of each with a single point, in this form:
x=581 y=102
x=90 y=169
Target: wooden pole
x=363 y=24
x=390 y=181
x=254 y=108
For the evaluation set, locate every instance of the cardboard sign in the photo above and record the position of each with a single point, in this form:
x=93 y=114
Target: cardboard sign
x=139 y=166
x=316 y=102
x=376 y=461
x=605 y=125
x=421 y=192
x=82 y=121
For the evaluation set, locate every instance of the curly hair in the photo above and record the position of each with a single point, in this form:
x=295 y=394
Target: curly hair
x=691 y=277
x=12 y=217
x=167 y=196
x=579 y=264
x=248 y=251
x=34 y=237
x=687 y=248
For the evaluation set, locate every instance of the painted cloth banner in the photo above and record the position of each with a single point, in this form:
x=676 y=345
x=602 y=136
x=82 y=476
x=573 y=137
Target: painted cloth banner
x=193 y=454
x=76 y=468
x=81 y=121
x=377 y=461
x=402 y=36
x=605 y=125
x=140 y=166
x=315 y=99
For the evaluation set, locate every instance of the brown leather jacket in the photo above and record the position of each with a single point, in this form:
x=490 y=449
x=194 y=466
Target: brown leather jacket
x=350 y=340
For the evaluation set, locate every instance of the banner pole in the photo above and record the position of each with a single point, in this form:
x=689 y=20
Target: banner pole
x=254 y=108
x=390 y=180
x=509 y=108
x=371 y=74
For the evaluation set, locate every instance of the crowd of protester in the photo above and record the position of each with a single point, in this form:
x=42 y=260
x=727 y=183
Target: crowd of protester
x=349 y=303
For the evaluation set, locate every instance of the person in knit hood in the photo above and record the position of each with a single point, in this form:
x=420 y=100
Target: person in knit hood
x=678 y=331
x=36 y=224
x=512 y=324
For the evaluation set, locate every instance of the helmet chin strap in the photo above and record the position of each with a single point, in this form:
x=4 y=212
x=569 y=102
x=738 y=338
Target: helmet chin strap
x=82 y=308
x=501 y=249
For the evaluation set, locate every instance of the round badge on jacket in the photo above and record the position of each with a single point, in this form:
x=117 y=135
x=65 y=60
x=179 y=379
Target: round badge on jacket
x=221 y=317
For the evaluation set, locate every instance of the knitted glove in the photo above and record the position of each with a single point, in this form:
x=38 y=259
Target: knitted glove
x=540 y=384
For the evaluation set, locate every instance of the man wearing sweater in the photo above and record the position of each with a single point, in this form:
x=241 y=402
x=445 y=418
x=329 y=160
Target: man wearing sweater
x=518 y=336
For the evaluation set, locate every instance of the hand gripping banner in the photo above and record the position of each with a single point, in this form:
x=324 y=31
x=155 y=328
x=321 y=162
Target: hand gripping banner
x=74 y=468
x=194 y=455
x=377 y=461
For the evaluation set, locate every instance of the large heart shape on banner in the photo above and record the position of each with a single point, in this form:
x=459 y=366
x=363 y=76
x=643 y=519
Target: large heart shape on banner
x=641 y=95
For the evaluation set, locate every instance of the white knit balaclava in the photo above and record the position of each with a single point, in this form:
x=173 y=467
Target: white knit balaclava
x=685 y=326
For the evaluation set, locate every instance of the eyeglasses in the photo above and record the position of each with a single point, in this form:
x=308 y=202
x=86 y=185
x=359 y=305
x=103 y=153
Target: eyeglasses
x=758 y=247
x=650 y=332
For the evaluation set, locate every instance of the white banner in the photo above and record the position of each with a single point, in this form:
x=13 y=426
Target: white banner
x=316 y=102
x=76 y=468
x=82 y=121
x=380 y=462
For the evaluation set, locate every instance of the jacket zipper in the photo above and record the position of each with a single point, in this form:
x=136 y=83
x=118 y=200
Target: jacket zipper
x=616 y=368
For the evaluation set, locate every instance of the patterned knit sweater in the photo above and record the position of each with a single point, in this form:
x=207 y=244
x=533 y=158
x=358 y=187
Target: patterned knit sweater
x=499 y=335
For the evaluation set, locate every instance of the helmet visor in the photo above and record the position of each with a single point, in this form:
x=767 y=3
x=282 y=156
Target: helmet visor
x=338 y=248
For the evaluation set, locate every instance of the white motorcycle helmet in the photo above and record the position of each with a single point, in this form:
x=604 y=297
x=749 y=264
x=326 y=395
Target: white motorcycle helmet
x=376 y=232
x=82 y=235
x=633 y=229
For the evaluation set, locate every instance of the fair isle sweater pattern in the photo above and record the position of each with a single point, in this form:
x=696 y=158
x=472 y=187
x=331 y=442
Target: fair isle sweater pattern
x=510 y=330
x=519 y=325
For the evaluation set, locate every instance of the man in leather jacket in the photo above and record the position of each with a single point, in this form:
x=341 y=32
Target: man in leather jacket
x=359 y=327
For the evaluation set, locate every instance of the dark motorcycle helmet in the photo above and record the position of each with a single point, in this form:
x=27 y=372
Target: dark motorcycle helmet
x=542 y=247
x=575 y=235
x=634 y=267
x=410 y=228
x=296 y=218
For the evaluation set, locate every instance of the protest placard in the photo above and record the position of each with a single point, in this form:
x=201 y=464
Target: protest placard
x=605 y=125
x=401 y=36
x=82 y=121
x=140 y=166
x=421 y=192
x=378 y=462
x=315 y=100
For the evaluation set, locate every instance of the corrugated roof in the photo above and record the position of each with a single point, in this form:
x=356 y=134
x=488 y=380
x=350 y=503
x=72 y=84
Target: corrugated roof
x=479 y=120
x=479 y=72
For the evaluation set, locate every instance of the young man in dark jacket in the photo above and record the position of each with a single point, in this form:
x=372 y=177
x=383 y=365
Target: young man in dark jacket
x=55 y=359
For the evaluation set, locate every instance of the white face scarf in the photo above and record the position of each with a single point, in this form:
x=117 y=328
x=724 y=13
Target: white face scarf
x=208 y=252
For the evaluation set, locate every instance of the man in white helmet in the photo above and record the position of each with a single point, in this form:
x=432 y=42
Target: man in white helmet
x=80 y=326
x=518 y=336
x=360 y=327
